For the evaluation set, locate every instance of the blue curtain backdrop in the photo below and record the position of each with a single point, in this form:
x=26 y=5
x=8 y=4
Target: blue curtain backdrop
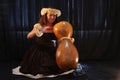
x=96 y=25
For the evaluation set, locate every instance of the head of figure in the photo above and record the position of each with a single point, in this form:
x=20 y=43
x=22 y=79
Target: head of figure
x=49 y=16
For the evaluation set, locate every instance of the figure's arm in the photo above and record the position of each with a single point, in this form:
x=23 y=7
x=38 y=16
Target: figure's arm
x=31 y=34
x=36 y=31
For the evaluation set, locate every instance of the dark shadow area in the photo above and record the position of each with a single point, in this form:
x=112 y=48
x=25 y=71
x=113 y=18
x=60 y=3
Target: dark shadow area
x=94 y=70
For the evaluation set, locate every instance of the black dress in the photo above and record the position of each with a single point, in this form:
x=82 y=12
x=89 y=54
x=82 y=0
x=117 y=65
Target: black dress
x=40 y=58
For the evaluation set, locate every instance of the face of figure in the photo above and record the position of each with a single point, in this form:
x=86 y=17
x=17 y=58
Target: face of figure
x=51 y=18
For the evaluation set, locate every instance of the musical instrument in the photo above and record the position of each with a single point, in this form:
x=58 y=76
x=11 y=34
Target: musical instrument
x=66 y=55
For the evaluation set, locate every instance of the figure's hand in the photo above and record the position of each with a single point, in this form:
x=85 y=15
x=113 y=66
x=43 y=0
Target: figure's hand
x=73 y=40
x=47 y=29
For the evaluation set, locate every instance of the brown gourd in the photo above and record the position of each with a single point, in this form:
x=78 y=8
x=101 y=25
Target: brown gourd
x=66 y=54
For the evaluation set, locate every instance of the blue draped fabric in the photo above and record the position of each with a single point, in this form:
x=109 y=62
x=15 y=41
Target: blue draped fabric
x=95 y=23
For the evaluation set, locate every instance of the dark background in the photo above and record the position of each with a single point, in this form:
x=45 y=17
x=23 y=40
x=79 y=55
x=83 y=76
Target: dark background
x=96 y=25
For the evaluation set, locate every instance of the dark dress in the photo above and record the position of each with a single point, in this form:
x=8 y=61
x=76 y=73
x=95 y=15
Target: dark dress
x=40 y=58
